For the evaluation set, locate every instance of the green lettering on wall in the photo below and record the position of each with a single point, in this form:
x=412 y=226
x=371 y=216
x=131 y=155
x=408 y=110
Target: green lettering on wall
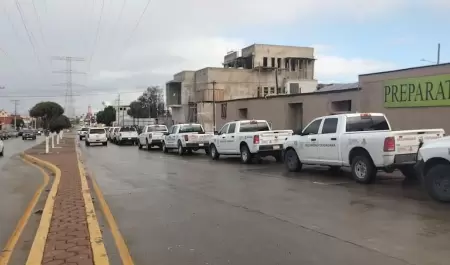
x=425 y=91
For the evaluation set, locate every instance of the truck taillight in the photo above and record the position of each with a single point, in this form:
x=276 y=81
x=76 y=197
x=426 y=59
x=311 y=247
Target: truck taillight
x=256 y=139
x=389 y=144
x=186 y=138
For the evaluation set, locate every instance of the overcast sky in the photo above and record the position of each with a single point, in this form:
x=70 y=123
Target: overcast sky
x=350 y=36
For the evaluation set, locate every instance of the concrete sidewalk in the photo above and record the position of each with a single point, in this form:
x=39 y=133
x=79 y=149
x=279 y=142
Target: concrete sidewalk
x=67 y=236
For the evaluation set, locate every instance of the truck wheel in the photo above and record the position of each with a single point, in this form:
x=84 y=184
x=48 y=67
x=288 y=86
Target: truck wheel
x=408 y=172
x=363 y=170
x=149 y=147
x=87 y=143
x=213 y=151
x=164 y=148
x=181 y=150
x=291 y=161
x=139 y=144
x=437 y=182
x=206 y=150
x=246 y=156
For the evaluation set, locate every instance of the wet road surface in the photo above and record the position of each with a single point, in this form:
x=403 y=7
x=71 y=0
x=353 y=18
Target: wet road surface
x=191 y=210
x=18 y=183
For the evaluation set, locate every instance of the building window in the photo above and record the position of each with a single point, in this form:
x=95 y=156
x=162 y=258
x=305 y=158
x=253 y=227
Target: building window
x=224 y=110
x=272 y=90
x=243 y=113
x=259 y=92
x=266 y=91
x=279 y=62
x=265 y=61
x=278 y=90
x=273 y=62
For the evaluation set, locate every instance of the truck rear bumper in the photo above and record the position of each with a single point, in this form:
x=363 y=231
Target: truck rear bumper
x=200 y=145
x=270 y=150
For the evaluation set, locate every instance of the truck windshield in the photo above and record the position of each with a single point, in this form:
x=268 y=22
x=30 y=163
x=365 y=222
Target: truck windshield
x=191 y=128
x=254 y=127
x=367 y=123
x=160 y=128
x=85 y=129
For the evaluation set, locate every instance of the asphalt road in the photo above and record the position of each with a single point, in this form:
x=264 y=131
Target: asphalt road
x=191 y=210
x=18 y=183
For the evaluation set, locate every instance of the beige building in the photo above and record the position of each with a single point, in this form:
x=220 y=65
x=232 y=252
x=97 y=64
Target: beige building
x=411 y=98
x=256 y=71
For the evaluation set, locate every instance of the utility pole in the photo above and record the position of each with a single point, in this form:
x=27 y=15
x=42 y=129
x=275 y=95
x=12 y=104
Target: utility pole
x=118 y=109
x=69 y=105
x=16 y=102
x=214 y=105
x=438 y=54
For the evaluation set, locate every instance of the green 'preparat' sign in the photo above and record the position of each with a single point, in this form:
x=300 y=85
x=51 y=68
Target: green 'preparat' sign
x=426 y=91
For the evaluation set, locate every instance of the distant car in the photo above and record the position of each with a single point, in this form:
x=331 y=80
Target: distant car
x=83 y=132
x=4 y=135
x=38 y=132
x=96 y=136
x=2 y=148
x=28 y=134
x=13 y=133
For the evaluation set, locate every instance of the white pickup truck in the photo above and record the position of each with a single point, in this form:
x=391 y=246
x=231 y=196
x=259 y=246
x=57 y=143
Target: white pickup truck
x=249 y=139
x=126 y=135
x=363 y=141
x=186 y=138
x=152 y=135
x=433 y=167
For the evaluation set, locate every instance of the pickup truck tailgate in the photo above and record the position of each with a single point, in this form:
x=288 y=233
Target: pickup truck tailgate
x=157 y=135
x=274 y=137
x=200 y=138
x=407 y=142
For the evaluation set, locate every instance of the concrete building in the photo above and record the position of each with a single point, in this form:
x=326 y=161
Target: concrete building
x=256 y=71
x=411 y=98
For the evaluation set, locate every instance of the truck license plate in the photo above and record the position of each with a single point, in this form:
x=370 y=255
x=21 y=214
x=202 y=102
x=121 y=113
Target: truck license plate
x=200 y=144
x=129 y=138
x=276 y=147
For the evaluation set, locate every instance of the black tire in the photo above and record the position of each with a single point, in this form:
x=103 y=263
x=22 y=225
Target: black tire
x=105 y=143
x=164 y=148
x=363 y=170
x=437 y=181
x=1 y=153
x=213 y=152
x=149 y=147
x=409 y=172
x=180 y=149
x=206 y=150
x=23 y=138
x=291 y=161
x=139 y=144
x=246 y=156
x=87 y=143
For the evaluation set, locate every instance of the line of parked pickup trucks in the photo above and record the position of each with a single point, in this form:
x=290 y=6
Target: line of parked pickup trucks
x=364 y=142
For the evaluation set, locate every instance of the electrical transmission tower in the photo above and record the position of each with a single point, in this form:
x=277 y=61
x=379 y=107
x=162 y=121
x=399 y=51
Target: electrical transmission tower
x=69 y=102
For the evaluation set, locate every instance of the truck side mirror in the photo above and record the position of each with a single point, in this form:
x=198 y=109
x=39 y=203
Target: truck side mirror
x=298 y=131
x=216 y=133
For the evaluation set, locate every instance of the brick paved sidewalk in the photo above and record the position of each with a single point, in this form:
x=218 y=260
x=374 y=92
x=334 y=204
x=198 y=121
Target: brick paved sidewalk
x=68 y=239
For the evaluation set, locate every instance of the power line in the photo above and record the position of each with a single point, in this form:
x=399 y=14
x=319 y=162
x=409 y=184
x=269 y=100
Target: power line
x=19 y=9
x=96 y=35
x=39 y=23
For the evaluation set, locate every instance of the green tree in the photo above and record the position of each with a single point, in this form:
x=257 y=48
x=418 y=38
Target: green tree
x=109 y=115
x=152 y=100
x=47 y=111
x=19 y=122
x=100 y=117
x=59 y=123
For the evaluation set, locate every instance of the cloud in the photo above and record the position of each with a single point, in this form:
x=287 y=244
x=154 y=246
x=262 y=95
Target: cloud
x=174 y=35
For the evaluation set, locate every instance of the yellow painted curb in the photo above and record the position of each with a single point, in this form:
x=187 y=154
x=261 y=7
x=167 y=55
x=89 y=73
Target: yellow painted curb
x=37 y=249
x=118 y=238
x=98 y=248
x=5 y=255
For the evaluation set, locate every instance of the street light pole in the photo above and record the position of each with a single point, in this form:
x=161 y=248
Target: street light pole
x=214 y=105
x=438 y=54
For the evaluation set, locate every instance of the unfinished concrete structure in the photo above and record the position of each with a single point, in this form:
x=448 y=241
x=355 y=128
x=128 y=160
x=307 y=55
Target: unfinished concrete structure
x=256 y=71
